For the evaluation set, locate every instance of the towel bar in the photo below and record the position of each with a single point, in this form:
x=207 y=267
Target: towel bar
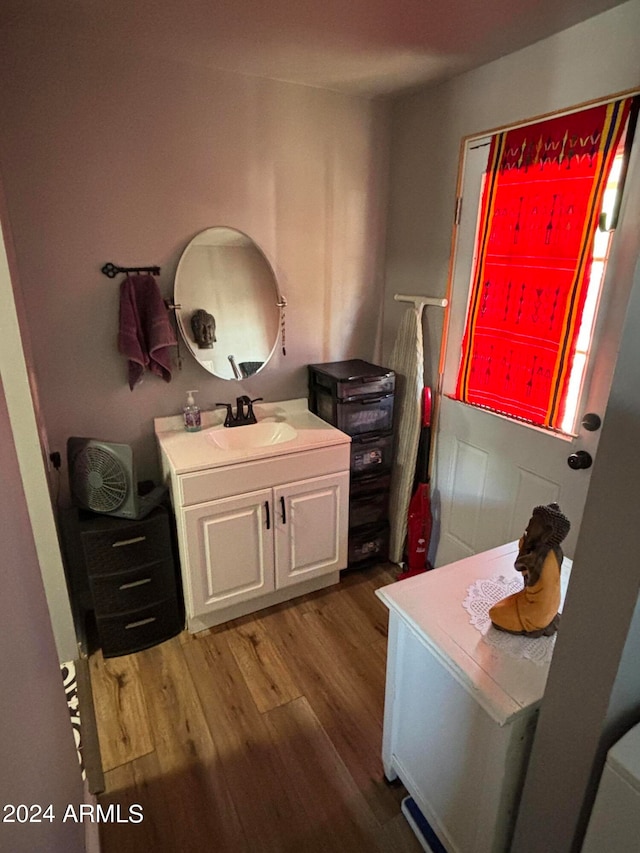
x=111 y=270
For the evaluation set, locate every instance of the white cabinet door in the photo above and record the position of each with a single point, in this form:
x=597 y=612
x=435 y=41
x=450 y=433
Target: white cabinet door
x=311 y=521
x=229 y=551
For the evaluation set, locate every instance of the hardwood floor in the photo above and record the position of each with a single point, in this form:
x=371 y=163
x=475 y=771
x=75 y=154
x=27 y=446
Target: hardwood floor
x=260 y=735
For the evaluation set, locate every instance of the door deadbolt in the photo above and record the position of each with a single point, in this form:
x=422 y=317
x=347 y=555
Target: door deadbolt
x=580 y=459
x=591 y=422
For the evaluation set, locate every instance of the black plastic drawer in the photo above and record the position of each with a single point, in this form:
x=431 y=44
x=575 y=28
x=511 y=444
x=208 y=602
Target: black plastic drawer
x=369 y=500
x=140 y=587
x=352 y=378
x=368 y=544
x=355 y=417
x=139 y=629
x=115 y=548
x=371 y=454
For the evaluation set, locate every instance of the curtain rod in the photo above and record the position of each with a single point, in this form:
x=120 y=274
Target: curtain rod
x=440 y=302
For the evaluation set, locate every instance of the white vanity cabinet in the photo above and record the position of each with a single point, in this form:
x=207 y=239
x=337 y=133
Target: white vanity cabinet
x=250 y=545
x=258 y=526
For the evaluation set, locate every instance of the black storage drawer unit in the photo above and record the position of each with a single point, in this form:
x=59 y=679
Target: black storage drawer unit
x=122 y=576
x=358 y=398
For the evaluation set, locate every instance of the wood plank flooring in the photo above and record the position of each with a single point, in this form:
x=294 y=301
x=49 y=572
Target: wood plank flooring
x=259 y=736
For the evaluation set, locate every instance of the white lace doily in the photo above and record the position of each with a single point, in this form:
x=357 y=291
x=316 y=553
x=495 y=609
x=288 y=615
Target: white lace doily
x=483 y=594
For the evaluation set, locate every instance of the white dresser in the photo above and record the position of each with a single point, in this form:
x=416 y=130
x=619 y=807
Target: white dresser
x=459 y=713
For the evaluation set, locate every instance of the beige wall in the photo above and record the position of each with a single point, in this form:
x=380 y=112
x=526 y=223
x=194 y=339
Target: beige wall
x=105 y=156
x=108 y=156
x=38 y=762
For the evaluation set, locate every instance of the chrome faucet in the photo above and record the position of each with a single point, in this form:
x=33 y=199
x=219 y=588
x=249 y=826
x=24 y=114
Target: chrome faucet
x=244 y=413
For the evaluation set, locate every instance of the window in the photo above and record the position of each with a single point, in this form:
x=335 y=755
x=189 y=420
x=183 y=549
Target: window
x=536 y=278
x=599 y=258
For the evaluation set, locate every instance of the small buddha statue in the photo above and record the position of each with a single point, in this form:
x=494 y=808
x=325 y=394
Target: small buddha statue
x=203 y=326
x=534 y=610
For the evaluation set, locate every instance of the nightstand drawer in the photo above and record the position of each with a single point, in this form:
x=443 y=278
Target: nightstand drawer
x=139 y=629
x=139 y=587
x=115 y=549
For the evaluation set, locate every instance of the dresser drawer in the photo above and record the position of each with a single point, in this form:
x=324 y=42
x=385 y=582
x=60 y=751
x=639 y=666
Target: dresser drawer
x=139 y=587
x=112 y=549
x=139 y=629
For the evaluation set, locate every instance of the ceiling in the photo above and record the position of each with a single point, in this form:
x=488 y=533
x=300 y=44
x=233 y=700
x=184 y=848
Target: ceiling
x=361 y=47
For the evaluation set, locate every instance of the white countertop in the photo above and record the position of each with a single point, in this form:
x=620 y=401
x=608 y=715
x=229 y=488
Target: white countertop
x=194 y=451
x=431 y=603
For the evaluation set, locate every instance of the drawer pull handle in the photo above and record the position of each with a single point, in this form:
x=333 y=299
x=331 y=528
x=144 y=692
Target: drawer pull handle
x=140 y=622
x=134 y=583
x=266 y=509
x=283 y=507
x=122 y=542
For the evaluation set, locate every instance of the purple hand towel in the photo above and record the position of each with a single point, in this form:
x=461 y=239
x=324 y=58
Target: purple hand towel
x=145 y=333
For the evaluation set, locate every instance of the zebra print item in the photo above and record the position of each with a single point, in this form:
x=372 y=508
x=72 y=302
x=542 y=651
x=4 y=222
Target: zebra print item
x=69 y=680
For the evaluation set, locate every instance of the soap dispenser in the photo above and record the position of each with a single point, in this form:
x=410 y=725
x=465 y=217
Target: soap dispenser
x=192 y=422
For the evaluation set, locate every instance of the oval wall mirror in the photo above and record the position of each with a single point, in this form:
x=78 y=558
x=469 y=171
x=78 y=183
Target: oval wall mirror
x=229 y=314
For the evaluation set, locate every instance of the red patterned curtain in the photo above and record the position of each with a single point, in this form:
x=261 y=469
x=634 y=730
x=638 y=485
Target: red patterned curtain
x=539 y=212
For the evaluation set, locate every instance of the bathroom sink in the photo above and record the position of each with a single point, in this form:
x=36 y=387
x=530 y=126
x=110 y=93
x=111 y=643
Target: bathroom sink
x=262 y=434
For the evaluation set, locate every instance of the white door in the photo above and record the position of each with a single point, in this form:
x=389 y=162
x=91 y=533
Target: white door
x=491 y=471
x=311 y=520
x=229 y=551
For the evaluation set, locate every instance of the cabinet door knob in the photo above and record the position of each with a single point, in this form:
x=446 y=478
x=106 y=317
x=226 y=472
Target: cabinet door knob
x=284 y=510
x=268 y=513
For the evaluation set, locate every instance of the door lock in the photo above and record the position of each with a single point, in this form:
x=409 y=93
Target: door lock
x=580 y=459
x=591 y=422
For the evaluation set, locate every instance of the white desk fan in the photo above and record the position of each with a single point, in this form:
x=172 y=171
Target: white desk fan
x=102 y=479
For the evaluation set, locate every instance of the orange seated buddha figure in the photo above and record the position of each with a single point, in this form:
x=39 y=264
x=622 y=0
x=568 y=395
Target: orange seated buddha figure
x=534 y=610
